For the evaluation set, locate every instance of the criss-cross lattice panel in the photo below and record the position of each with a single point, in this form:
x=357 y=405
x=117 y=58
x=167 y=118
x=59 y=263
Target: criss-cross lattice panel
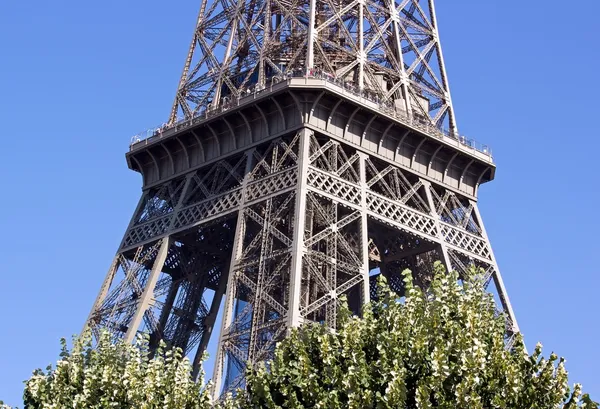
x=333 y=263
x=281 y=154
x=147 y=231
x=235 y=340
x=207 y=210
x=127 y=280
x=401 y=47
x=160 y=201
x=216 y=179
x=455 y=210
x=274 y=168
x=400 y=215
x=335 y=159
x=391 y=48
x=339 y=188
x=465 y=241
x=272 y=184
x=391 y=182
x=212 y=191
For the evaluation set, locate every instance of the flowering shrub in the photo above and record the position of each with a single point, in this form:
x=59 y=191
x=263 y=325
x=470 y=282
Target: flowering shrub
x=116 y=375
x=443 y=348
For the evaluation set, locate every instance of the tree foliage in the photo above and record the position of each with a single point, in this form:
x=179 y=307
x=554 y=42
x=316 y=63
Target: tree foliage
x=116 y=375
x=444 y=348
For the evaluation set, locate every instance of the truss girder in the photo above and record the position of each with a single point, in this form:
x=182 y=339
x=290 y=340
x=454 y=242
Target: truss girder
x=214 y=206
x=388 y=47
x=398 y=214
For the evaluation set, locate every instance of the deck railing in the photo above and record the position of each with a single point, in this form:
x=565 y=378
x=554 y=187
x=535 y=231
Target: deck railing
x=347 y=87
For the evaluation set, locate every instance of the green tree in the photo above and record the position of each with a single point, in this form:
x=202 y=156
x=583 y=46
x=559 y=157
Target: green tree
x=443 y=348
x=116 y=375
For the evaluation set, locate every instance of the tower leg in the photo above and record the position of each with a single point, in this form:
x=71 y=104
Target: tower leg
x=298 y=246
x=148 y=294
x=229 y=284
x=364 y=230
x=130 y=291
x=512 y=325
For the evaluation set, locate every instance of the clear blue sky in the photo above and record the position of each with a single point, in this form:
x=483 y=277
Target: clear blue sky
x=77 y=79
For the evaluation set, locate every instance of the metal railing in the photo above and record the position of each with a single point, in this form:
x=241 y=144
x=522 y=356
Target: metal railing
x=347 y=87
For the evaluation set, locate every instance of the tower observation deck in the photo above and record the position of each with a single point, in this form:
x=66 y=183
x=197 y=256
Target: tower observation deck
x=311 y=147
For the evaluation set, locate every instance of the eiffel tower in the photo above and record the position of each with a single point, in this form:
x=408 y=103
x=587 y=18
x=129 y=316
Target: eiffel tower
x=311 y=147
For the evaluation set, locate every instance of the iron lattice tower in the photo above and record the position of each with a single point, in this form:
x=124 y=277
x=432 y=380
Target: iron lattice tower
x=311 y=147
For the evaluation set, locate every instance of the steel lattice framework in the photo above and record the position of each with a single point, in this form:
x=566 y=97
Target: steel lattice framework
x=389 y=47
x=310 y=158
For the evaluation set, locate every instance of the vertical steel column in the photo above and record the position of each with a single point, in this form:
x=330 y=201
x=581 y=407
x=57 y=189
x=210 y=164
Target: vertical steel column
x=433 y=212
x=226 y=61
x=364 y=228
x=298 y=247
x=236 y=253
x=174 y=288
x=267 y=32
x=310 y=46
x=497 y=277
x=442 y=67
x=147 y=295
x=395 y=15
x=361 y=45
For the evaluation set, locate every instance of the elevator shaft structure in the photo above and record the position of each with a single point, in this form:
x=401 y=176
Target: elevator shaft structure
x=312 y=146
